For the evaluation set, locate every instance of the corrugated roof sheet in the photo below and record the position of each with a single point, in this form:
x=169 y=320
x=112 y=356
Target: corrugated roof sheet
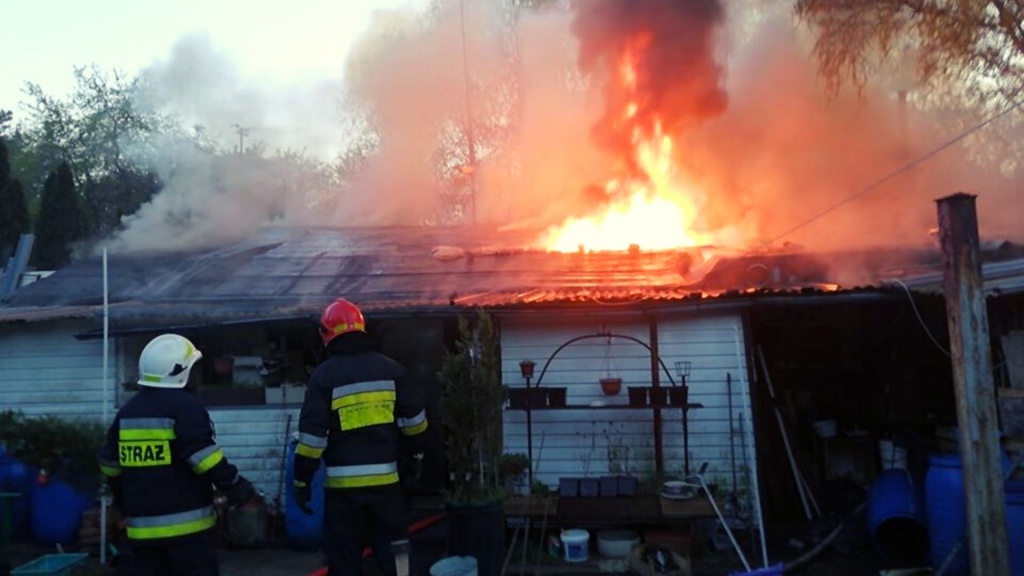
x=294 y=272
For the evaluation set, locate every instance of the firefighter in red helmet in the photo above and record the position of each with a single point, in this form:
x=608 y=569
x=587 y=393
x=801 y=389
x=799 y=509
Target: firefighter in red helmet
x=359 y=415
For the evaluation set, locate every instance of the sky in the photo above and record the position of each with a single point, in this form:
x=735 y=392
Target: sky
x=291 y=43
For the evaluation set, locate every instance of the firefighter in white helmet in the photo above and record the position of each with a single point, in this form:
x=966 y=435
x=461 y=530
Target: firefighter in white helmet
x=162 y=463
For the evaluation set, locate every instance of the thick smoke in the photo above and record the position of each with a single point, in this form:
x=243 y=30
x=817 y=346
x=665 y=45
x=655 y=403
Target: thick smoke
x=672 y=79
x=759 y=165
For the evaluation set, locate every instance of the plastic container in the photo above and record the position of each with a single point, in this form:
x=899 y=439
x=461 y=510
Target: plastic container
x=616 y=543
x=50 y=565
x=897 y=519
x=477 y=530
x=892 y=456
x=776 y=570
x=454 y=566
x=17 y=478
x=303 y=530
x=947 y=520
x=57 y=510
x=576 y=544
x=1015 y=525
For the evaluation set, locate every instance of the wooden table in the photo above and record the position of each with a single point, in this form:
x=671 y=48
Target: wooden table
x=639 y=509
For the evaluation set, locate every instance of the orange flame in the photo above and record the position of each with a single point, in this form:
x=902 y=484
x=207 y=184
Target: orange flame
x=654 y=211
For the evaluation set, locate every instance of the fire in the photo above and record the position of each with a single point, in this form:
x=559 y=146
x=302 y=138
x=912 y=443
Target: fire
x=652 y=209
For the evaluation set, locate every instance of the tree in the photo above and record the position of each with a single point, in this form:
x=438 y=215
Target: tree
x=14 y=220
x=61 y=220
x=109 y=139
x=977 y=46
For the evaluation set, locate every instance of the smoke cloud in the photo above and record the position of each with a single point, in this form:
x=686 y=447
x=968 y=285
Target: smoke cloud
x=766 y=157
x=654 y=58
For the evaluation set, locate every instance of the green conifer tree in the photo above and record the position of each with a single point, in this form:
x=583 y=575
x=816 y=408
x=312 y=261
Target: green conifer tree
x=61 y=220
x=14 y=219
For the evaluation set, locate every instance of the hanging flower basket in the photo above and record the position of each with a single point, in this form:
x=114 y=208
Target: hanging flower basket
x=611 y=386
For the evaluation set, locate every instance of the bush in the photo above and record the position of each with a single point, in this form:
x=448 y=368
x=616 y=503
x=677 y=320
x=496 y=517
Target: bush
x=61 y=447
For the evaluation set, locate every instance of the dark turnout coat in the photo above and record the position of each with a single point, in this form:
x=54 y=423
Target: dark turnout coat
x=359 y=405
x=162 y=461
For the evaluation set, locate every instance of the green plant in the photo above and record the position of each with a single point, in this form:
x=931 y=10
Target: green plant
x=512 y=468
x=61 y=447
x=471 y=402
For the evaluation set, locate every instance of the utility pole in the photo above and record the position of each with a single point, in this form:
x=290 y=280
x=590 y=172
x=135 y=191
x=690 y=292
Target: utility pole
x=242 y=133
x=975 y=390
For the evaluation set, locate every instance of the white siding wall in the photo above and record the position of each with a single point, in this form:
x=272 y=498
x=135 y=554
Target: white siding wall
x=253 y=438
x=45 y=370
x=564 y=441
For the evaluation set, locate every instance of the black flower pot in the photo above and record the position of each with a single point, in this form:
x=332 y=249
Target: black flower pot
x=637 y=396
x=556 y=397
x=537 y=398
x=568 y=487
x=658 y=396
x=628 y=485
x=678 y=395
x=609 y=486
x=517 y=398
x=589 y=488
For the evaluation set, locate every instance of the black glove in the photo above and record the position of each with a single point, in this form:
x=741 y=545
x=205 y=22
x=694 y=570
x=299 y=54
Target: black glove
x=412 y=470
x=240 y=492
x=303 y=494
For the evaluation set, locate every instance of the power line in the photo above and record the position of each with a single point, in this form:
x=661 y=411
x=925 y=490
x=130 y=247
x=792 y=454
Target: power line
x=906 y=167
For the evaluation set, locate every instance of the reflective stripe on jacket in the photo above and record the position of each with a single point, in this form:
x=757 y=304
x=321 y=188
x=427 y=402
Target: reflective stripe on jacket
x=162 y=451
x=358 y=406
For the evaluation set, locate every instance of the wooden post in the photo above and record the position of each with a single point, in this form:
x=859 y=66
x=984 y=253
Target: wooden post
x=975 y=390
x=659 y=449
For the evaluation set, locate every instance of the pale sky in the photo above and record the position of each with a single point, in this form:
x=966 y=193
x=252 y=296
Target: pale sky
x=271 y=42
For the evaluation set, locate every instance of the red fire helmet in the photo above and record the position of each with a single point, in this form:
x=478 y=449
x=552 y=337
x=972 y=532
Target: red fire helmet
x=339 y=317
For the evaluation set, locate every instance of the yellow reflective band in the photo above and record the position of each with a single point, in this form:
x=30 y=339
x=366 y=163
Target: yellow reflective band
x=170 y=531
x=308 y=451
x=209 y=462
x=146 y=434
x=110 y=470
x=138 y=454
x=366 y=414
x=299 y=484
x=415 y=429
x=362 y=481
x=363 y=398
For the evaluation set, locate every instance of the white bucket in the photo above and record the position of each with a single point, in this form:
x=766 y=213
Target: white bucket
x=576 y=544
x=454 y=566
x=893 y=457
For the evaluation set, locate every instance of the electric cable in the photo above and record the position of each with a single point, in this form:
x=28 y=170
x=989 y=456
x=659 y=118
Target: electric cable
x=905 y=168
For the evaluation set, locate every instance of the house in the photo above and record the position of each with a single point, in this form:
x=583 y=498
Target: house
x=839 y=343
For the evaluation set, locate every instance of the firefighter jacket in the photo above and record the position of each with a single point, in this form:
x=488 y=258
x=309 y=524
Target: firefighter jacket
x=162 y=460
x=359 y=405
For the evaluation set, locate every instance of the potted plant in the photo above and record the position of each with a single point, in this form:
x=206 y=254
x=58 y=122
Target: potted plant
x=513 y=468
x=62 y=454
x=471 y=408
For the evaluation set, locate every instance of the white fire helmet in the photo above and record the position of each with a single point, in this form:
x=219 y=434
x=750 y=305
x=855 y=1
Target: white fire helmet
x=166 y=361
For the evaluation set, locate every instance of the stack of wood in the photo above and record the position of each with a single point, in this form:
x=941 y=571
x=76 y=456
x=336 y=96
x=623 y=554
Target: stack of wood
x=89 y=528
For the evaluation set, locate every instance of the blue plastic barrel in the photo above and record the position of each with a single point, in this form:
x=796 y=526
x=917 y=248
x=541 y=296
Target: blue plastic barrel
x=947 y=512
x=1015 y=525
x=17 y=477
x=896 y=518
x=303 y=530
x=57 y=510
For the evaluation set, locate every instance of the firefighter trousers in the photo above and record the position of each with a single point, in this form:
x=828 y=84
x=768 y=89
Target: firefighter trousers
x=193 y=555
x=357 y=517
